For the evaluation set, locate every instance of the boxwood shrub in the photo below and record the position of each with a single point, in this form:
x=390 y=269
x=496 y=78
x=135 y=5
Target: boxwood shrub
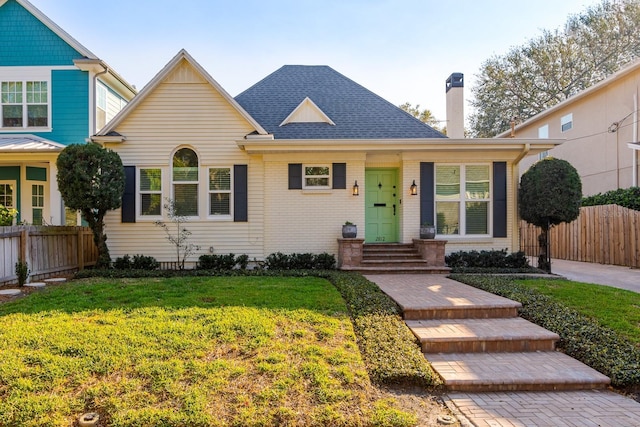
x=580 y=336
x=494 y=259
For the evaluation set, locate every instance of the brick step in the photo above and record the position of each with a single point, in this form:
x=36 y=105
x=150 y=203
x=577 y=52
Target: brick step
x=391 y=256
x=397 y=270
x=386 y=247
x=481 y=335
x=390 y=263
x=533 y=371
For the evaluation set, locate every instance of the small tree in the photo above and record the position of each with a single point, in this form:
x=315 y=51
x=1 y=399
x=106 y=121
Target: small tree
x=91 y=180
x=179 y=236
x=550 y=193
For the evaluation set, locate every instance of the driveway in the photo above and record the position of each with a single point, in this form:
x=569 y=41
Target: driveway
x=610 y=275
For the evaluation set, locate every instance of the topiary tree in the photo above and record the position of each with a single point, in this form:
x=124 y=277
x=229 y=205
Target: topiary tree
x=550 y=193
x=91 y=180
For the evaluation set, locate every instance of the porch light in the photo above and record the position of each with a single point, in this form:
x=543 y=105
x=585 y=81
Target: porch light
x=413 y=190
x=356 y=189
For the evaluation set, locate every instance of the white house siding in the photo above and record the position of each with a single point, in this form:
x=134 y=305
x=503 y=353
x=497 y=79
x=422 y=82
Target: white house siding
x=309 y=220
x=184 y=110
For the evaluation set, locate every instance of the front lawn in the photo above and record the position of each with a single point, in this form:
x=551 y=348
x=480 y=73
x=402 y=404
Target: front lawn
x=210 y=351
x=615 y=308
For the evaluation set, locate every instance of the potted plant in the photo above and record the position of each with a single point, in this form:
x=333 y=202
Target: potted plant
x=427 y=231
x=349 y=230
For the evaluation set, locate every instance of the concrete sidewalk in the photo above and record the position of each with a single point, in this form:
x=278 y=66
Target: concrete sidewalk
x=601 y=274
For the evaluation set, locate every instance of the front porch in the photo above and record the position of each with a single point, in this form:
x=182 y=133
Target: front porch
x=420 y=256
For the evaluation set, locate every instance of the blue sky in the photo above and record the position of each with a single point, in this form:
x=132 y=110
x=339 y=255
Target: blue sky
x=403 y=50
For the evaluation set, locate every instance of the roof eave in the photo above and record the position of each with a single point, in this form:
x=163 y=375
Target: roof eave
x=532 y=146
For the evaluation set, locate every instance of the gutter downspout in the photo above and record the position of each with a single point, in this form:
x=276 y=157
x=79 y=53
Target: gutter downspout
x=95 y=98
x=634 y=153
x=523 y=153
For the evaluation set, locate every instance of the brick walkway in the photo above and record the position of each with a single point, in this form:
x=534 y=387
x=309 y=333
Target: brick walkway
x=418 y=294
x=547 y=409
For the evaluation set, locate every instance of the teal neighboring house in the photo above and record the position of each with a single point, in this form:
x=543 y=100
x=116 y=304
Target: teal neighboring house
x=53 y=92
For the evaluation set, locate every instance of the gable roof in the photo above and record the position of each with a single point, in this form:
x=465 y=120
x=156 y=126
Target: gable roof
x=357 y=112
x=182 y=55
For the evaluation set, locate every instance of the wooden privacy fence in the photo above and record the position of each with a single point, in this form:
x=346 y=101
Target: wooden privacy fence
x=608 y=234
x=48 y=250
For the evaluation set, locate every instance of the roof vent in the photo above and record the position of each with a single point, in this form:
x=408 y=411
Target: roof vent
x=307 y=112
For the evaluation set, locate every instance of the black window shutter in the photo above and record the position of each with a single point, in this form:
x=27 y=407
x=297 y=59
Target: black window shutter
x=295 y=176
x=240 y=194
x=427 y=193
x=339 y=176
x=129 y=196
x=499 y=199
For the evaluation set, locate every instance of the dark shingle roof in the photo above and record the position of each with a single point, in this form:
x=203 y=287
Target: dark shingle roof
x=357 y=112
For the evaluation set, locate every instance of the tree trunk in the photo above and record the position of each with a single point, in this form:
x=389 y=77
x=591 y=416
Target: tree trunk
x=543 y=257
x=96 y=223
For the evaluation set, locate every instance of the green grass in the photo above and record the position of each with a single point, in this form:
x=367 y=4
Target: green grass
x=614 y=308
x=221 y=351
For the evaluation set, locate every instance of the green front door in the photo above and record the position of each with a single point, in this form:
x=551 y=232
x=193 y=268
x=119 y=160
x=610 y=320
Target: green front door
x=381 y=199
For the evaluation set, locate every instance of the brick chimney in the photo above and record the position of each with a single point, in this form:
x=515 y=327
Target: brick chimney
x=455 y=105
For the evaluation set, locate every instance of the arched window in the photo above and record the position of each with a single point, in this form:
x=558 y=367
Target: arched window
x=185 y=182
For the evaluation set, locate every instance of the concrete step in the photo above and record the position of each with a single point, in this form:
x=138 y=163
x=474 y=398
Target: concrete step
x=391 y=256
x=531 y=371
x=481 y=335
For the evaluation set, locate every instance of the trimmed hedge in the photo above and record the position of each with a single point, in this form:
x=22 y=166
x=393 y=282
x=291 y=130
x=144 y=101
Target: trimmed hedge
x=223 y=262
x=625 y=197
x=494 y=259
x=138 y=262
x=580 y=337
x=303 y=261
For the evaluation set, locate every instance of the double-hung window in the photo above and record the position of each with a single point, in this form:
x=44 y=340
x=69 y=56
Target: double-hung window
x=24 y=104
x=317 y=177
x=185 y=182
x=150 y=192
x=463 y=199
x=219 y=192
x=37 y=203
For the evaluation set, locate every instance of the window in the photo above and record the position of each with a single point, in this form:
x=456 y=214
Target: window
x=185 y=182
x=462 y=199
x=150 y=192
x=316 y=176
x=24 y=104
x=7 y=198
x=543 y=132
x=101 y=106
x=219 y=191
x=566 y=122
x=37 y=203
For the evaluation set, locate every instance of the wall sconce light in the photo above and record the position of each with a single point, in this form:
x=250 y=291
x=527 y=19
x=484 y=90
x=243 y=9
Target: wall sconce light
x=356 y=189
x=413 y=190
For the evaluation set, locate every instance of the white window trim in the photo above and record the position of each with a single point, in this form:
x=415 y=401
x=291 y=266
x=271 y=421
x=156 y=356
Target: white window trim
x=210 y=192
x=31 y=77
x=566 y=120
x=139 y=216
x=316 y=187
x=198 y=182
x=462 y=225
